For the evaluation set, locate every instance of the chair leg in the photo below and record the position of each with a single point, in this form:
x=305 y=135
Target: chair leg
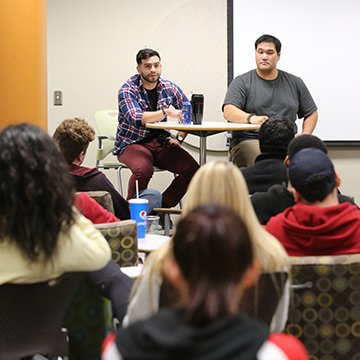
x=120 y=187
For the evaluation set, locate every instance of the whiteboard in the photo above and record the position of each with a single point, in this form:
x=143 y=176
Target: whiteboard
x=320 y=44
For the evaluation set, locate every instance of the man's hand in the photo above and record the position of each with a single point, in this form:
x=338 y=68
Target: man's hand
x=173 y=142
x=174 y=113
x=255 y=119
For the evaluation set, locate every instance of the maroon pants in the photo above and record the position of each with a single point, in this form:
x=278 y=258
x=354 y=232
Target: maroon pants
x=141 y=159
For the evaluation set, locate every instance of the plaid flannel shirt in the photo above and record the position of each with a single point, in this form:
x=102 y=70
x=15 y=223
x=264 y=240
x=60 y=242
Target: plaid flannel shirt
x=134 y=101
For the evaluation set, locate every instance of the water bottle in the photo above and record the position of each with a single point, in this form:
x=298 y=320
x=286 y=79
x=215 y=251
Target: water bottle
x=186 y=111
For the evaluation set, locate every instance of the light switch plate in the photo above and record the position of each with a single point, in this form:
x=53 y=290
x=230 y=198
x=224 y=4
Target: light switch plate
x=58 y=98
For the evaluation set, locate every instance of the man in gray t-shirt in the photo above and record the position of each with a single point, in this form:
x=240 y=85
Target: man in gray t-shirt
x=255 y=96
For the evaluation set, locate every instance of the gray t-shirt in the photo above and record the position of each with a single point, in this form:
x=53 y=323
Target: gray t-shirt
x=286 y=95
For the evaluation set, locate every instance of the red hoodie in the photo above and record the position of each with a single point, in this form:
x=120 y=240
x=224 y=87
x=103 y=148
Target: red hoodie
x=306 y=230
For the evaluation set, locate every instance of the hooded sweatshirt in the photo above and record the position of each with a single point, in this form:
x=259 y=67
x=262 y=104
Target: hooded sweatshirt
x=167 y=336
x=91 y=179
x=311 y=230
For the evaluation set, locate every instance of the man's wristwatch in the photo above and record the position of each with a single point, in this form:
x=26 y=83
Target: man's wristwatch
x=249 y=117
x=180 y=138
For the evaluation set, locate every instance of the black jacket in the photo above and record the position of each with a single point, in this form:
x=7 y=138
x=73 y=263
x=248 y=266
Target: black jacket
x=268 y=170
x=167 y=336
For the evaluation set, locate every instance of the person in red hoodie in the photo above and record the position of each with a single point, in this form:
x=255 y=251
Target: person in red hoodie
x=317 y=224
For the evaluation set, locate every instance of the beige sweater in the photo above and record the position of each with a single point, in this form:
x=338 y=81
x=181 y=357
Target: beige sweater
x=82 y=248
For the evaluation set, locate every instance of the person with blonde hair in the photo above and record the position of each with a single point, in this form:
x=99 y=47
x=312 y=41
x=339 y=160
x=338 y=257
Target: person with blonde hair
x=220 y=183
x=206 y=322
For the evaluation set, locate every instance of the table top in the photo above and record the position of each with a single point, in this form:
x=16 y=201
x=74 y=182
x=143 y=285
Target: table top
x=205 y=126
x=132 y=271
x=152 y=242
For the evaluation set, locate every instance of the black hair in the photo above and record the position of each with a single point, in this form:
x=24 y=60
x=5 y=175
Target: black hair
x=145 y=54
x=303 y=142
x=275 y=135
x=271 y=39
x=36 y=191
x=213 y=250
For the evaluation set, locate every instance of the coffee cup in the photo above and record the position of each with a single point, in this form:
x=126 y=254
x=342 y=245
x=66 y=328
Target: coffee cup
x=197 y=102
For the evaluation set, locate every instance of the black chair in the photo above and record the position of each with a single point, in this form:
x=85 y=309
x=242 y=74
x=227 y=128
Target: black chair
x=31 y=317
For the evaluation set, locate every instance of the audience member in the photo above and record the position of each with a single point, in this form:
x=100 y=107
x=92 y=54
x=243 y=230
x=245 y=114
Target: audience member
x=207 y=323
x=266 y=91
x=317 y=224
x=278 y=197
x=92 y=210
x=73 y=137
x=220 y=183
x=269 y=169
x=148 y=98
x=42 y=234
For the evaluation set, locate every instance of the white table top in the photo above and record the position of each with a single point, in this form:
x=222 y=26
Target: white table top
x=132 y=271
x=205 y=126
x=152 y=242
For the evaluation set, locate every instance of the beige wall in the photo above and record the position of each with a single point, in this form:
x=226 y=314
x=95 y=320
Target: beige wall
x=91 y=52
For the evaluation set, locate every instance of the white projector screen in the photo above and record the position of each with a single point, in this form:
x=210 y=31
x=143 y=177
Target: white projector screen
x=320 y=43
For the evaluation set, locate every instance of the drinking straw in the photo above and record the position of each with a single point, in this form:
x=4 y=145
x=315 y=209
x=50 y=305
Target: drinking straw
x=137 y=189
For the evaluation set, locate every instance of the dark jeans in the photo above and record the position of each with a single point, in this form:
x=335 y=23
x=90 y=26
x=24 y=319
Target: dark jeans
x=114 y=285
x=141 y=159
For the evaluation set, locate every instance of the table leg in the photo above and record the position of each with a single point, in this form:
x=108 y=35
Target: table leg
x=202 y=150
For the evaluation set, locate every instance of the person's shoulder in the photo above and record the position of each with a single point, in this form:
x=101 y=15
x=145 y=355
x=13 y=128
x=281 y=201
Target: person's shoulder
x=281 y=346
x=131 y=83
x=289 y=76
x=276 y=192
x=168 y=84
x=246 y=75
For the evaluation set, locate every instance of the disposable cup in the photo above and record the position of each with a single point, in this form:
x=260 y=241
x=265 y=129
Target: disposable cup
x=152 y=224
x=138 y=212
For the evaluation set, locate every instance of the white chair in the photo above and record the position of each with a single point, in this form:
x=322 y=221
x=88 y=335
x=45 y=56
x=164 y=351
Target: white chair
x=107 y=122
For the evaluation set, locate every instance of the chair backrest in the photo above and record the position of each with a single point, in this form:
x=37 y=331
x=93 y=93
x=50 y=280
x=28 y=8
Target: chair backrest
x=121 y=236
x=325 y=305
x=103 y=198
x=31 y=317
x=106 y=123
x=259 y=302
x=123 y=240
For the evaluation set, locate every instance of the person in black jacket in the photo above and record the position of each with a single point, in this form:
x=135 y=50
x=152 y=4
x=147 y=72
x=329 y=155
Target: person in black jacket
x=269 y=169
x=279 y=197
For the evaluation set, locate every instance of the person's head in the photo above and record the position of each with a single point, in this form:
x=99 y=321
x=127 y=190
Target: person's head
x=267 y=53
x=221 y=183
x=305 y=141
x=73 y=137
x=36 y=191
x=212 y=261
x=149 y=66
x=275 y=135
x=312 y=175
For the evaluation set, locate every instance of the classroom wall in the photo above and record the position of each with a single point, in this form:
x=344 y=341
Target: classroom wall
x=91 y=51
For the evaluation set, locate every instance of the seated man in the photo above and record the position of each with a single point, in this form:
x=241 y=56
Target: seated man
x=73 y=136
x=269 y=169
x=278 y=197
x=148 y=98
x=317 y=224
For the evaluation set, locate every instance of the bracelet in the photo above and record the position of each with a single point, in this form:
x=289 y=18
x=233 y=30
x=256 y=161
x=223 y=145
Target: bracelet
x=249 y=117
x=163 y=111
